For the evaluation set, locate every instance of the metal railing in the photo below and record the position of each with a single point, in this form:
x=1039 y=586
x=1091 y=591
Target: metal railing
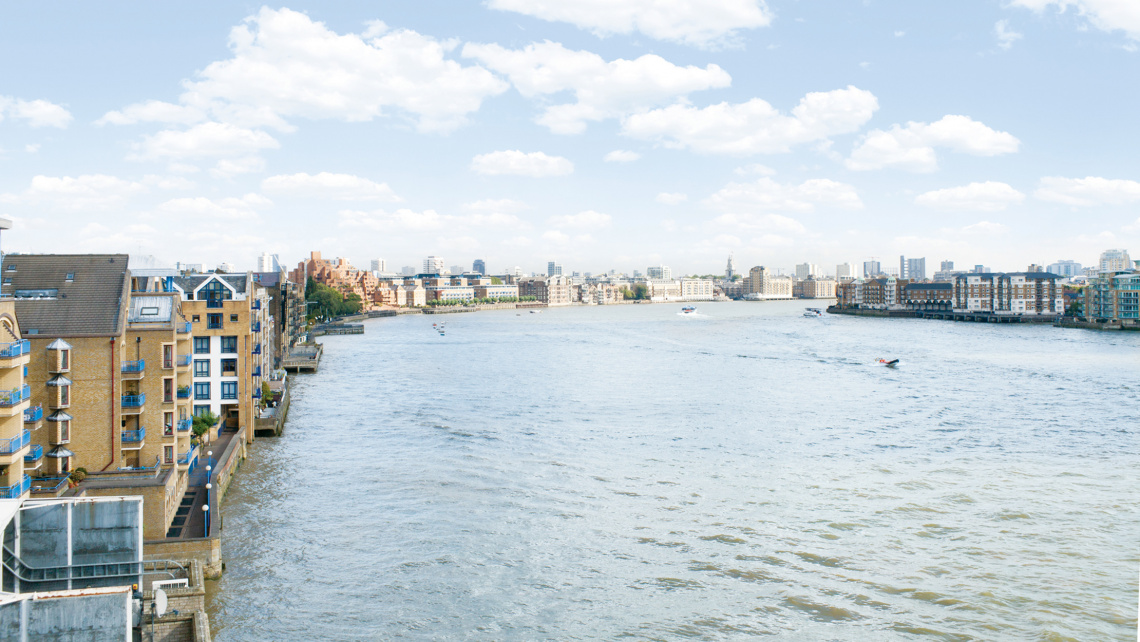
x=134 y=436
x=213 y=303
x=257 y=371
x=15 y=490
x=134 y=366
x=15 y=444
x=255 y=326
x=15 y=349
x=85 y=572
x=35 y=453
x=184 y=328
x=9 y=398
x=184 y=360
x=256 y=305
x=184 y=393
x=214 y=325
x=134 y=401
x=33 y=414
x=185 y=458
x=256 y=349
x=49 y=484
x=184 y=425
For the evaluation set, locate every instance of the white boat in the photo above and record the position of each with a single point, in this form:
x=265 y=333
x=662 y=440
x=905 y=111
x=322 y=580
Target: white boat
x=688 y=310
x=813 y=312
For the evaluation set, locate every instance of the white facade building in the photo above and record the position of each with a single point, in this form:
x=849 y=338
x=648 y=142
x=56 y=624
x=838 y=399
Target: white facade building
x=268 y=263
x=434 y=265
x=1115 y=261
x=696 y=290
x=845 y=272
x=379 y=265
x=806 y=271
x=661 y=272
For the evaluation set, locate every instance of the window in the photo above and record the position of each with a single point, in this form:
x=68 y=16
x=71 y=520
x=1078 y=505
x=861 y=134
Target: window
x=229 y=390
x=201 y=410
x=229 y=345
x=168 y=454
x=214 y=321
x=202 y=390
x=201 y=345
x=64 y=359
x=201 y=367
x=196 y=318
x=167 y=356
x=233 y=318
x=168 y=391
x=7 y=280
x=229 y=367
x=148 y=312
x=167 y=423
x=71 y=277
x=65 y=395
x=65 y=431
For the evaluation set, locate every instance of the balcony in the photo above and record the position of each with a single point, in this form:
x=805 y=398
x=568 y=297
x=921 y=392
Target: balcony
x=184 y=392
x=15 y=491
x=50 y=485
x=184 y=425
x=255 y=326
x=214 y=325
x=184 y=328
x=34 y=455
x=256 y=349
x=256 y=372
x=133 y=404
x=15 y=444
x=183 y=360
x=256 y=305
x=133 y=439
x=214 y=303
x=133 y=369
x=257 y=393
x=15 y=349
x=187 y=457
x=33 y=414
x=15 y=396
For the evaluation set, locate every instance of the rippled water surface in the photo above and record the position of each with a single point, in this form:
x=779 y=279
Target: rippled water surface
x=626 y=472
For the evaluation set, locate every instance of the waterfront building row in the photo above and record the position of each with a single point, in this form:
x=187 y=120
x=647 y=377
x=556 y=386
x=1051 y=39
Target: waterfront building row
x=1020 y=293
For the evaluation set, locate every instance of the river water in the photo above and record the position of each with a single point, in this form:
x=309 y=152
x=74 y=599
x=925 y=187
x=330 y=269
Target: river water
x=627 y=472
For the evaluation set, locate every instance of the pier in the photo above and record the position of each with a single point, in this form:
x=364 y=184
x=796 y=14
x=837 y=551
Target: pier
x=303 y=357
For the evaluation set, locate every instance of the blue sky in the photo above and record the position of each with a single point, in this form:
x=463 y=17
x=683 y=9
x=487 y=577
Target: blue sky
x=598 y=133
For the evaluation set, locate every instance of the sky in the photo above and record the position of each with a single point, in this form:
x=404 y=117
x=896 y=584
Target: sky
x=602 y=134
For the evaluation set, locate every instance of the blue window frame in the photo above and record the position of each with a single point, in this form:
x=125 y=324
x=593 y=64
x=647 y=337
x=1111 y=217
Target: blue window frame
x=213 y=322
x=201 y=410
x=229 y=345
x=201 y=345
x=229 y=390
x=201 y=367
x=202 y=390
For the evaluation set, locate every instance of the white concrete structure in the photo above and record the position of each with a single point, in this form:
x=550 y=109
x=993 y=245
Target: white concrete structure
x=845 y=272
x=806 y=271
x=379 y=265
x=696 y=290
x=661 y=272
x=434 y=265
x=1115 y=261
x=268 y=263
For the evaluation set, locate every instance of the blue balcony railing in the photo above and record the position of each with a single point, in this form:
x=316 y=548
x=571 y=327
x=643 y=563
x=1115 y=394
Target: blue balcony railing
x=184 y=393
x=255 y=326
x=257 y=371
x=34 y=454
x=15 y=349
x=256 y=349
x=257 y=393
x=184 y=328
x=134 y=436
x=186 y=458
x=256 y=305
x=184 y=360
x=15 y=444
x=134 y=401
x=9 y=398
x=16 y=490
x=214 y=325
x=214 y=303
x=50 y=484
x=134 y=366
x=33 y=414
x=184 y=425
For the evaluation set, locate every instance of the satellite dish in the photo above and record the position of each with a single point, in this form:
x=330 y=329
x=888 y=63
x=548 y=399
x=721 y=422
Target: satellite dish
x=160 y=602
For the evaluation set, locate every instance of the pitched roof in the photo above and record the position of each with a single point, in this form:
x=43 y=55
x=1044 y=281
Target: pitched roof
x=190 y=283
x=929 y=286
x=91 y=303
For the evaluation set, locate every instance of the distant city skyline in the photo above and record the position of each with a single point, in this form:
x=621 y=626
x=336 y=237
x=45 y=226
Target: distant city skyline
x=604 y=134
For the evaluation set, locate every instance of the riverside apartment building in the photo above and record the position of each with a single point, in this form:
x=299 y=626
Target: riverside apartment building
x=17 y=454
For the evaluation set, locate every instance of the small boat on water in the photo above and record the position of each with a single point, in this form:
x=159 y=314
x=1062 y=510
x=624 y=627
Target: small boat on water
x=890 y=363
x=813 y=312
x=688 y=309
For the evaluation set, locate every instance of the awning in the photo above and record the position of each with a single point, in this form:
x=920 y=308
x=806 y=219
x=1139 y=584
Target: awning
x=59 y=415
x=59 y=344
x=59 y=452
x=59 y=380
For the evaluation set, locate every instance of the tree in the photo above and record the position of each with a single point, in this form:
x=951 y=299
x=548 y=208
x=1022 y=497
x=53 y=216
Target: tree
x=496 y=281
x=203 y=422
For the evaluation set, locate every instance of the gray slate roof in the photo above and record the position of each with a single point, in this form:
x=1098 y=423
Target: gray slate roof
x=190 y=283
x=91 y=304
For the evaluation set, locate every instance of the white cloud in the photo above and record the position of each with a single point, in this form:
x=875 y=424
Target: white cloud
x=586 y=219
x=32 y=148
x=1088 y=192
x=343 y=187
x=989 y=196
x=87 y=191
x=1108 y=15
x=555 y=236
x=769 y=222
x=702 y=23
x=621 y=156
x=492 y=219
x=1005 y=36
x=206 y=139
x=985 y=228
x=227 y=209
x=602 y=89
x=168 y=182
x=900 y=34
x=518 y=163
x=153 y=111
x=671 y=198
x=912 y=147
x=754 y=169
x=402 y=220
x=754 y=127
x=285 y=64
x=38 y=113
x=766 y=194
x=496 y=205
x=230 y=167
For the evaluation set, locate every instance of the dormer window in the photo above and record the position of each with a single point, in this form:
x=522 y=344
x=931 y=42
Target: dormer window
x=70 y=277
x=11 y=267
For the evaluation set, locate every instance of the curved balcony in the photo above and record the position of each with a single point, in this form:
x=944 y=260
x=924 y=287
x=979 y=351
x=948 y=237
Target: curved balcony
x=15 y=349
x=15 y=491
x=15 y=396
x=34 y=455
x=15 y=444
x=33 y=414
x=184 y=425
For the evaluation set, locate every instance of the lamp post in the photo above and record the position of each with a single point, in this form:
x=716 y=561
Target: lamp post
x=206 y=513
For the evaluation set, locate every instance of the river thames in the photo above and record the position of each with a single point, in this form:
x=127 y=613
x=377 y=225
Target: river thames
x=627 y=472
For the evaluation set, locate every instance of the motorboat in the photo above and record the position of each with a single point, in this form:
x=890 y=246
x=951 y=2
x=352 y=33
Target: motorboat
x=890 y=363
x=813 y=312
x=688 y=309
